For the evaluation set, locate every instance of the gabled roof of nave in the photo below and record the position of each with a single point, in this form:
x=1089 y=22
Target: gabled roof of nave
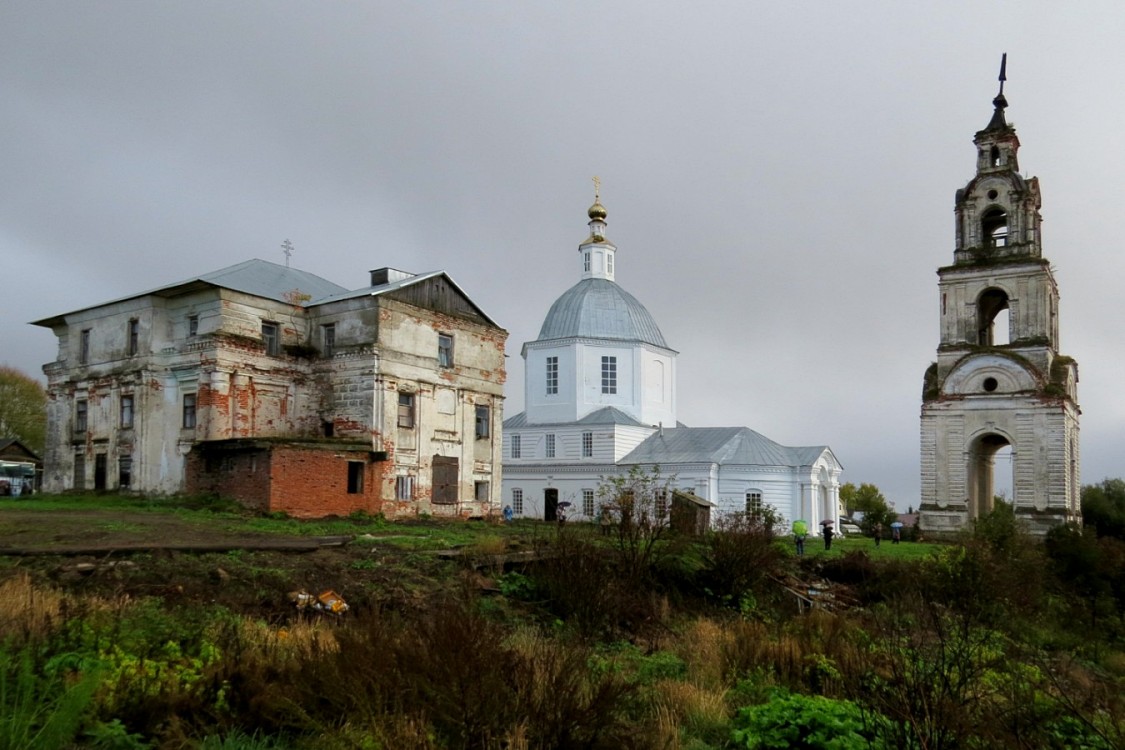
x=272 y=281
x=721 y=445
x=605 y=415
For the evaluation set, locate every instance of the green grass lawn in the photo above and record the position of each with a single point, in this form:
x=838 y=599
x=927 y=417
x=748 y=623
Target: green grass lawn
x=904 y=550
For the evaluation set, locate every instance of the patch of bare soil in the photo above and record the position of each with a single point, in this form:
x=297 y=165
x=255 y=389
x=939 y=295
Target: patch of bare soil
x=189 y=563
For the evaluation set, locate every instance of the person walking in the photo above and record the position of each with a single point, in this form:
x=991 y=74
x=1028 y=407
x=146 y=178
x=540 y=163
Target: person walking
x=828 y=537
x=799 y=540
x=878 y=533
x=896 y=534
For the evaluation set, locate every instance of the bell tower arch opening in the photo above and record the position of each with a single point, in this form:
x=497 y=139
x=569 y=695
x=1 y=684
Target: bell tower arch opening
x=993 y=318
x=994 y=227
x=983 y=454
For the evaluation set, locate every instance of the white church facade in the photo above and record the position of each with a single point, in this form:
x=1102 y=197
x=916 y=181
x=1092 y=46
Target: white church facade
x=600 y=399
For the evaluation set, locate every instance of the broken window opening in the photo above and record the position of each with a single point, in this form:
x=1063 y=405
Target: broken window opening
x=483 y=421
x=271 y=339
x=134 y=336
x=993 y=319
x=125 y=472
x=328 y=339
x=406 y=410
x=994 y=156
x=445 y=350
x=355 y=477
x=994 y=227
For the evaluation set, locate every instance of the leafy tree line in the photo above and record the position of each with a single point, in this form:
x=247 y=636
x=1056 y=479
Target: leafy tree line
x=23 y=408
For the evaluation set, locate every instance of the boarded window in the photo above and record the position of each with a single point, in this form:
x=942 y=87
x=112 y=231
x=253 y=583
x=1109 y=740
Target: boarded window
x=404 y=488
x=445 y=480
x=79 y=471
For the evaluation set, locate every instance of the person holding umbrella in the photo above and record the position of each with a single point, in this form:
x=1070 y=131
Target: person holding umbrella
x=827 y=532
x=896 y=532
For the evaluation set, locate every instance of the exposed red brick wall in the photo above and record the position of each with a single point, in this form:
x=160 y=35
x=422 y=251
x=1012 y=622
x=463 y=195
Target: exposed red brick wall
x=242 y=475
x=310 y=483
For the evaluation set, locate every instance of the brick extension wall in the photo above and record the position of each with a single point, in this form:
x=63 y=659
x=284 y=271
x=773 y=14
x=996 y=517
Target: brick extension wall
x=303 y=480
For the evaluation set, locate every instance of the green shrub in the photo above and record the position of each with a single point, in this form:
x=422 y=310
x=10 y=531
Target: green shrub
x=790 y=721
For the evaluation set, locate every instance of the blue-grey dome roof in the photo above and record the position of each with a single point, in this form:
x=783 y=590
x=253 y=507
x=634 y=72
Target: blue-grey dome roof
x=600 y=309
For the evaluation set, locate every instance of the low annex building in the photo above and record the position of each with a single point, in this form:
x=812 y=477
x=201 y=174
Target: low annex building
x=285 y=391
x=600 y=399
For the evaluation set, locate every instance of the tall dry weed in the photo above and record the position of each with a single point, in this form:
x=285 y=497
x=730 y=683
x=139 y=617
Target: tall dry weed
x=29 y=612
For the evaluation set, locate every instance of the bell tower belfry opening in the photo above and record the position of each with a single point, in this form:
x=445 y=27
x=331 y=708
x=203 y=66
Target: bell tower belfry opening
x=999 y=382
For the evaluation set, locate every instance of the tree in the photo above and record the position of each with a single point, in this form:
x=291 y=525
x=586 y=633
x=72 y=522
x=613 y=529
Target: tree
x=867 y=499
x=1103 y=507
x=638 y=503
x=23 y=408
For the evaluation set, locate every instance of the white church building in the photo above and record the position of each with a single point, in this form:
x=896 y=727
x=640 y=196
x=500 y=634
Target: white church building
x=600 y=398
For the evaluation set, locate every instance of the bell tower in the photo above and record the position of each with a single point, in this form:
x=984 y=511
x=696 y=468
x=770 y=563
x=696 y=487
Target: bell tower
x=999 y=379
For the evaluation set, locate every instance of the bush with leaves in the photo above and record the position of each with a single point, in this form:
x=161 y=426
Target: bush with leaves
x=795 y=722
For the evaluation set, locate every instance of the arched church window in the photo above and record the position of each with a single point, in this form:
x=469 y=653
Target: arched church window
x=992 y=310
x=994 y=156
x=994 y=227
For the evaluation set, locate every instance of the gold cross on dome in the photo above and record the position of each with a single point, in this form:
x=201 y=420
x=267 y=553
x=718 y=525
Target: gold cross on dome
x=597 y=188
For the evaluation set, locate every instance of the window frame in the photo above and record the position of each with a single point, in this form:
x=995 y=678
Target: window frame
x=328 y=340
x=404 y=487
x=754 y=503
x=271 y=338
x=445 y=350
x=127 y=411
x=407 y=418
x=517 y=501
x=587 y=445
x=483 y=427
x=588 y=503
x=609 y=375
x=84 y=346
x=549 y=445
x=133 y=334
x=81 y=415
x=189 y=416
x=193 y=325
x=552 y=376
x=124 y=472
x=482 y=491
x=515 y=446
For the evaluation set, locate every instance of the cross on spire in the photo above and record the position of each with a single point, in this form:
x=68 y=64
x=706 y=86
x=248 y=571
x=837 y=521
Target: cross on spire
x=287 y=249
x=597 y=188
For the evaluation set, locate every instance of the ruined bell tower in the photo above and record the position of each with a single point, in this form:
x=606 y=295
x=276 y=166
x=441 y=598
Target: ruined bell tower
x=999 y=379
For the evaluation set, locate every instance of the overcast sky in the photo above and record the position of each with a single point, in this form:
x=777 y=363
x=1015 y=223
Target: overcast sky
x=779 y=176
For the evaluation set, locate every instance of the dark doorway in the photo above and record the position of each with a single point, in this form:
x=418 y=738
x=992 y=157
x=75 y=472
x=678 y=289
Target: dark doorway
x=982 y=476
x=550 y=504
x=445 y=481
x=99 y=471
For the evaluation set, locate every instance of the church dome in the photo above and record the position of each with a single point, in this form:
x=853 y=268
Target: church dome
x=600 y=309
x=597 y=211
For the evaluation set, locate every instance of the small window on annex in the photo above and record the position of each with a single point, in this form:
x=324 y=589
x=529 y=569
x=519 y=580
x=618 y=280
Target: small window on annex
x=134 y=334
x=517 y=501
x=193 y=325
x=271 y=339
x=189 y=411
x=406 y=410
x=355 y=477
x=482 y=491
x=550 y=446
x=445 y=350
x=484 y=419
x=587 y=444
x=404 y=488
x=516 y=448
x=328 y=339
x=81 y=415
x=552 y=375
x=754 y=503
x=127 y=412
x=588 y=503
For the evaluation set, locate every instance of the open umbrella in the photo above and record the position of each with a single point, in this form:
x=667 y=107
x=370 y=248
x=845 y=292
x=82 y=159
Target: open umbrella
x=896 y=525
x=800 y=527
x=827 y=522
x=565 y=504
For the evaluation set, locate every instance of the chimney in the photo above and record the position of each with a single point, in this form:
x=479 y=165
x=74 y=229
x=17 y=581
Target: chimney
x=381 y=276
